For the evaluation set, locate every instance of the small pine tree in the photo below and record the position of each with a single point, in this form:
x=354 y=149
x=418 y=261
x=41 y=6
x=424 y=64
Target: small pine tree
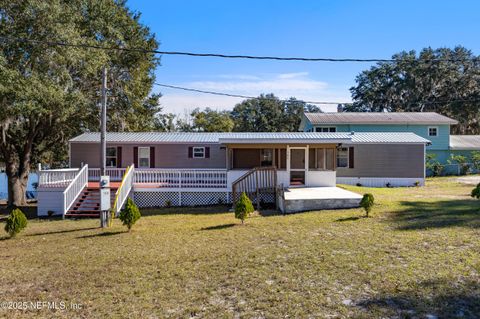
x=243 y=207
x=476 y=192
x=16 y=222
x=130 y=214
x=367 y=203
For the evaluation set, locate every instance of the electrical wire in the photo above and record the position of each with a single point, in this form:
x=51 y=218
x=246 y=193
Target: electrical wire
x=215 y=55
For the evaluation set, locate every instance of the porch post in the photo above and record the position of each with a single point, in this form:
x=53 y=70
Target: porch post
x=227 y=157
x=287 y=161
x=307 y=159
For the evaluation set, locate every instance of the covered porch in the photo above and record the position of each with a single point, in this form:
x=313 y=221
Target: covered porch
x=297 y=165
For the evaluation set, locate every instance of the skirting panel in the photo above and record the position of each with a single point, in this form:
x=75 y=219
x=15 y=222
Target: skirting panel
x=166 y=199
x=381 y=181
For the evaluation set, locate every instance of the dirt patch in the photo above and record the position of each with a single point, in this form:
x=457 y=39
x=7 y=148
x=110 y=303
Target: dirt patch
x=470 y=180
x=30 y=210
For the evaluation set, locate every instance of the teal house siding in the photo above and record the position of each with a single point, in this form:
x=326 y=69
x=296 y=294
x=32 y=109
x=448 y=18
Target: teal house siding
x=443 y=145
x=440 y=142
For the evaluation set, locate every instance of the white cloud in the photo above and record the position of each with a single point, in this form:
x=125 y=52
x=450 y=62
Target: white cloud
x=239 y=77
x=254 y=85
x=284 y=85
x=292 y=75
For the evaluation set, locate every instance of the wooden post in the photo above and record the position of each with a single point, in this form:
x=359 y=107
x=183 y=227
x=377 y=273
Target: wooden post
x=258 y=193
x=275 y=187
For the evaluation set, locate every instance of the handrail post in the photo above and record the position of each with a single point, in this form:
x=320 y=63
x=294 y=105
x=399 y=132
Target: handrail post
x=257 y=190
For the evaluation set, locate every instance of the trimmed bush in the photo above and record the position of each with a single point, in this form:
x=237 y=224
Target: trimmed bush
x=130 y=214
x=243 y=207
x=462 y=162
x=367 y=203
x=476 y=192
x=16 y=222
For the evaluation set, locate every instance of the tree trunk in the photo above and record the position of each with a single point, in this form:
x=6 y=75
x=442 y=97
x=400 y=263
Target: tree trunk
x=17 y=186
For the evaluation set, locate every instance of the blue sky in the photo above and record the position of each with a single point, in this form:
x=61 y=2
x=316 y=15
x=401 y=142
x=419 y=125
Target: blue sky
x=357 y=29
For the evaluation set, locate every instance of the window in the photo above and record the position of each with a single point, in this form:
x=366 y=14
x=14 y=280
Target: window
x=342 y=157
x=326 y=129
x=321 y=159
x=266 y=157
x=144 y=157
x=111 y=157
x=199 y=152
x=433 y=131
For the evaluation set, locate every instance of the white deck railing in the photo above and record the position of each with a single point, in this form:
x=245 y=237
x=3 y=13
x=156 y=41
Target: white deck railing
x=116 y=174
x=73 y=190
x=124 y=189
x=182 y=178
x=56 y=177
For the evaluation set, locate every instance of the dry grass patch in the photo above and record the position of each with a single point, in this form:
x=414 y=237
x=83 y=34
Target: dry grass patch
x=418 y=255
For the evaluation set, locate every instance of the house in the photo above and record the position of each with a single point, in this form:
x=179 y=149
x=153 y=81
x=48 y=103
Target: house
x=181 y=169
x=429 y=125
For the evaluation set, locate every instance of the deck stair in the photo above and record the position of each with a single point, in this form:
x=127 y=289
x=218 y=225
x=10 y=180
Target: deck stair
x=88 y=202
x=259 y=184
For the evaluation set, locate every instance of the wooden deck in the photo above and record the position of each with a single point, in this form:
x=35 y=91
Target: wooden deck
x=115 y=185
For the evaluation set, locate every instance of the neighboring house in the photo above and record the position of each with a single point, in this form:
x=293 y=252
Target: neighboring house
x=206 y=168
x=430 y=125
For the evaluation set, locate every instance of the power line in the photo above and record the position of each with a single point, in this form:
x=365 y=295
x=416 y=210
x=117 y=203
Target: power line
x=241 y=96
x=215 y=55
x=304 y=101
x=98 y=47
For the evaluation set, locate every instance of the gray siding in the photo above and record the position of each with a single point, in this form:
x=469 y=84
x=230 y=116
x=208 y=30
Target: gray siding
x=166 y=155
x=382 y=160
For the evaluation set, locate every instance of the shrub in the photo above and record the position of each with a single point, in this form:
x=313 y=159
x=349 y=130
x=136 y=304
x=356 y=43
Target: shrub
x=476 y=192
x=130 y=214
x=433 y=165
x=462 y=163
x=243 y=207
x=367 y=203
x=476 y=160
x=16 y=222
x=416 y=184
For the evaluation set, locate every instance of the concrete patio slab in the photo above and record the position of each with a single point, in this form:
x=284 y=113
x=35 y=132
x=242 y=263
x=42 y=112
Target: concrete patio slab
x=318 y=198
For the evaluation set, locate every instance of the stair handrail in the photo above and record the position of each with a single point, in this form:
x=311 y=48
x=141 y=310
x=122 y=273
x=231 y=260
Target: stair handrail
x=124 y=190
x=252 y=171
x=74 y=189
x=248 y=174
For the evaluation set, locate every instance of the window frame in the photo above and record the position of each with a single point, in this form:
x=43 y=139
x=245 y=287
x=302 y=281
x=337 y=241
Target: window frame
x=195 y=150
x=347 y=156
x=262 y=154
x=436 y=131
x=139 y=157
x=326 y=129
x=108 y=156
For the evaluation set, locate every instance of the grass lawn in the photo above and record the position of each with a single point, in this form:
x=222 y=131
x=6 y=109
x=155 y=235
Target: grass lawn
x=418 y=255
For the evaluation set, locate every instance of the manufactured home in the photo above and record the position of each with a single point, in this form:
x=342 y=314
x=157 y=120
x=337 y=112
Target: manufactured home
x=181 y=169
x=429 y=125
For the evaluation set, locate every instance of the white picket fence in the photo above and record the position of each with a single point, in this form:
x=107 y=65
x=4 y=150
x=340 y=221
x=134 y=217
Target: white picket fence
x=182 y=178
x=73 y=190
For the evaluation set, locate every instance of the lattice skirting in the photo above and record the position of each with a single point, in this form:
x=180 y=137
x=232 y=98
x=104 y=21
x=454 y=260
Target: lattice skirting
x=166 y=199
x=265 y=197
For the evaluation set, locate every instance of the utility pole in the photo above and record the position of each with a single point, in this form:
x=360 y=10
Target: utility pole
x=104 y=180
x=103 y=124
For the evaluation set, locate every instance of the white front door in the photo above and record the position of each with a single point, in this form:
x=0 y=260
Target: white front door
x=297 y=165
